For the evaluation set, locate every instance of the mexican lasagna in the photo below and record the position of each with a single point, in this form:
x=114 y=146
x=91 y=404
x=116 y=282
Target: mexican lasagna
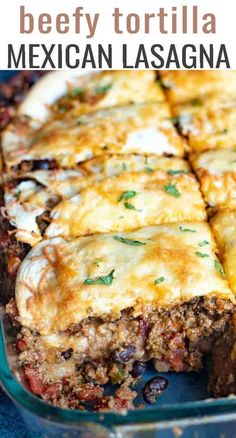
x=110 y=259
x=85 y=316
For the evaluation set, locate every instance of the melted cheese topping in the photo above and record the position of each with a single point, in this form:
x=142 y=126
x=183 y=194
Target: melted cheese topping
x=209 y=125
x=52 y=290
x=187 y=85
x=110 y=88
x=127 y=202
x=216 y=171
x=80 y=92
x=224 y=228
x=144 y=128
x=28 y=199
x=23 y=204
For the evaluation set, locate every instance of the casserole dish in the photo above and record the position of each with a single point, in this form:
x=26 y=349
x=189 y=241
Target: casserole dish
x=183 y=411
x=177 y=411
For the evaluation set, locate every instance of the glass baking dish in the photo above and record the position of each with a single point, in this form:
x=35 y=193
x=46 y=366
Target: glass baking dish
x=183 y=410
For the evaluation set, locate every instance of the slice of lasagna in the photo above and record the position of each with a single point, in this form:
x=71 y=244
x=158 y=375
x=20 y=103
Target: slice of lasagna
x=141 y=128
x=216 y=171
x=207 y=124
x=30 y=199
x=85 y=315
x=107 y=89
x=224 y=228
x=127 y=202
x=192 y=86
x=63 y=93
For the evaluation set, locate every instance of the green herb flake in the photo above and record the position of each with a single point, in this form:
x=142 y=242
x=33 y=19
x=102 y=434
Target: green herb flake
x=127 y=195
x=103 y=89
x=172 y=190
x=176 y=172
x=197 y=102
x=76 y=92
x=186 y=230
x=159 y=280
x=17 y=194
x=174 y=120
x=224 y=131
x=201 y=254
x=117 y=374
x=148 y=169
x=219 y=268
x=129 y=206
x=124 y=167
x=104 y=280
x=204 y=243
x=128 y=241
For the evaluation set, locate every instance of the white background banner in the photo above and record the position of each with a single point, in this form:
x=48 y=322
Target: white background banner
x=117 y=34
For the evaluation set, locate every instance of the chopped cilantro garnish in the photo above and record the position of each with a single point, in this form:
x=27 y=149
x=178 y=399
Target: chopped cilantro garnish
x=124 y=166
x=104 y=280
x=127 y=195
x=201 y=254
x=186 y=230
x=172 y=190
x=76 y=92
x=219 y=268
x=174 y=120
x=128 y=241
x=204 y=243
x=148 y=169
x=159 y=280
x=176 y=172
x=103 y=88
x=129 y=206
x=197 y=102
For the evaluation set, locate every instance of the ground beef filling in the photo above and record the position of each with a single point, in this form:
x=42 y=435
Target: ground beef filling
x=98 y=352
x=13 y=92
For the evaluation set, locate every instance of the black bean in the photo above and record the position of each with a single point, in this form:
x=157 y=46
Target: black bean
x=35 y=333
x=42 y=221
x=124 y=356
x=4 y=101
x=67 y=354
x=45 y=165
x=138 y=369
x=153 y=388
x=53 y=201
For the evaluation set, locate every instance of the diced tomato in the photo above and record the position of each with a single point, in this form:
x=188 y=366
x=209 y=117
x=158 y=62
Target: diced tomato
x=35 y=383
x=51 y=391
x=21 y=345
x=89 y=393
x=119 y=403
